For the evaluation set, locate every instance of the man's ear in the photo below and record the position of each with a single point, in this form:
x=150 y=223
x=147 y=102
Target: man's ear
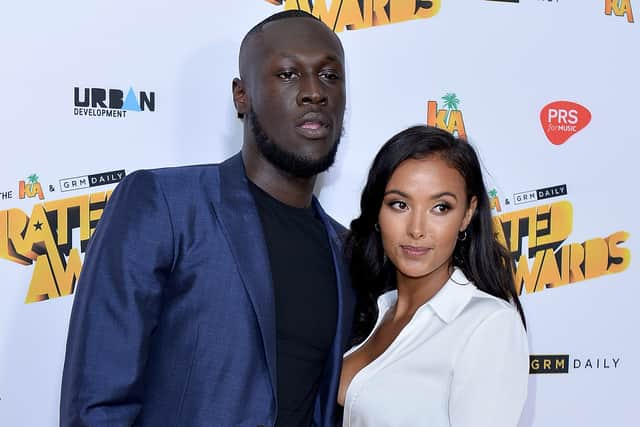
x=240 y=97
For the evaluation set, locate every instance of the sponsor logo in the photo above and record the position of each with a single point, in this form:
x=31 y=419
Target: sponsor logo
x=536 y=239
x=562 y=119
x=342 y=15
x=540 y=194
x=494 y=201
x=549 y=364
x=619 y=8
x=596 y=363
x=562 y=363
x=30 y=188
x=101 y=102
x=46 y=240
x=87 y=181
x=448 y=118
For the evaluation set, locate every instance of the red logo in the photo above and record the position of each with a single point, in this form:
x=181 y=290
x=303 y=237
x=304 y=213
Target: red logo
x=562 y=119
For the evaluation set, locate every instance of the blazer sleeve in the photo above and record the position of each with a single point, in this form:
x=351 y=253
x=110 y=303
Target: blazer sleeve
x=490 y=376
x=116 y=306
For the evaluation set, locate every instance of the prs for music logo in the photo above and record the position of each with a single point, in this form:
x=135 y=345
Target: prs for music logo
x=562 y=119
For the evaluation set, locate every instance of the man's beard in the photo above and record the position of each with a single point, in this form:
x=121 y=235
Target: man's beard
x=295 y=165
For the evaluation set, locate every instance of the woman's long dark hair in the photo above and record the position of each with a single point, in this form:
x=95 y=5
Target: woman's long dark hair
x=480 y=256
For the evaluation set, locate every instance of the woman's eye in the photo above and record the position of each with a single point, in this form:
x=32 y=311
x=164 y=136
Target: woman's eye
x=398 y=204
x=441 y=208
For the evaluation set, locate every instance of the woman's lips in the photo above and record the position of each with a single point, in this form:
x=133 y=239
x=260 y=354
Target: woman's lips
x=414 y=251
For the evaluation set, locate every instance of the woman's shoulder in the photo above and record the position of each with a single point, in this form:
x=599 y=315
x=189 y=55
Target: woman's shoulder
x=482 y=305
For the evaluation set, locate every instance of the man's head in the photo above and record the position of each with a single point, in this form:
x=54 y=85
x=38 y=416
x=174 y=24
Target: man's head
x=291 y=92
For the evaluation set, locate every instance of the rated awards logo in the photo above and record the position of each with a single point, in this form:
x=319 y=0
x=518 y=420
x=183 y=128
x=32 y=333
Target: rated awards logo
x=44 y=241
x=561 y=120
x=342 y=15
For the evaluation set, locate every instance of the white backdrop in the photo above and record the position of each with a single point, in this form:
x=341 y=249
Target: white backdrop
x=494 y=67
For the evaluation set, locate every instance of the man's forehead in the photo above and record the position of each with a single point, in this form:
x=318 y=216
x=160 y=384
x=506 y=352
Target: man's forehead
x=287 y=34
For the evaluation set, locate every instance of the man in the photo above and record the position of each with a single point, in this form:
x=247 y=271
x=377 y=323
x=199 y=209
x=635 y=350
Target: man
x=216 y=295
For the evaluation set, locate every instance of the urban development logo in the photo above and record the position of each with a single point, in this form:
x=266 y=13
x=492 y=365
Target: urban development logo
x=619 y=8
x=101 y=102
x=562 y=119
x=357 y=14
x=448 y=118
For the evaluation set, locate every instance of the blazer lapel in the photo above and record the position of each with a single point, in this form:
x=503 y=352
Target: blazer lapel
x=241 y=223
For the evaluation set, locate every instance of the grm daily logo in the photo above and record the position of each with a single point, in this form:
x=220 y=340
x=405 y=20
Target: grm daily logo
x=95 y=180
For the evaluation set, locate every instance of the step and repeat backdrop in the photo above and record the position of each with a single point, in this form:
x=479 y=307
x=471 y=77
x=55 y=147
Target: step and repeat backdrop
x=546 y=90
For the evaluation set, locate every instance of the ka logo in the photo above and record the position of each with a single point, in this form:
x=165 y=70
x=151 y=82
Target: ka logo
x=31 y=188
x=562 y=119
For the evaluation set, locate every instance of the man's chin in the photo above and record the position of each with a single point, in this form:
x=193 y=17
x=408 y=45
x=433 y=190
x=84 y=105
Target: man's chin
x=295 y=164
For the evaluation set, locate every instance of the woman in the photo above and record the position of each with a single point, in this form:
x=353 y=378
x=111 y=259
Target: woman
x=440 y=331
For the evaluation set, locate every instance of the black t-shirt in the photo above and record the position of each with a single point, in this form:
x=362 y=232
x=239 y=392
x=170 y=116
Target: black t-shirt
x=304 y=285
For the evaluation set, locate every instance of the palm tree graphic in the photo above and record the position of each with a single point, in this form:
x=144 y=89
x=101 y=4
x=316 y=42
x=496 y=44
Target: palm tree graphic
x=494 y=202
x=451 y=102
x=33 y=180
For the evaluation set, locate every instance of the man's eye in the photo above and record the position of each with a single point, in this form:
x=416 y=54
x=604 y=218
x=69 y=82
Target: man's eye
x=329 y=75
x=286 y=75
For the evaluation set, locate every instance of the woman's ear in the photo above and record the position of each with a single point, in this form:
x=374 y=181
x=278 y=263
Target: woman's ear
x=471 y=210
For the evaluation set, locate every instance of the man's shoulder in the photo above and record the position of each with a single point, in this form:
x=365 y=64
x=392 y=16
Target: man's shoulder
x=180 y=172
x=177 y=178
x=340 y=230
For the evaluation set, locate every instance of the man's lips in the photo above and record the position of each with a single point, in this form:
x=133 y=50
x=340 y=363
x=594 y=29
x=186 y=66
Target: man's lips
x=414 y=251
x=313 y=125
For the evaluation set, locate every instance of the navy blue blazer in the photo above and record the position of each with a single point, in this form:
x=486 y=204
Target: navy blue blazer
x=173 y=321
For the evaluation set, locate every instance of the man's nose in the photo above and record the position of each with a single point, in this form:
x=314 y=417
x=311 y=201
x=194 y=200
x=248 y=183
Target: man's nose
x=311 y=91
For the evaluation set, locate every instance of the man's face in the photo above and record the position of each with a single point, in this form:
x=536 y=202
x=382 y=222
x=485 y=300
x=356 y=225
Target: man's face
x=296 y=91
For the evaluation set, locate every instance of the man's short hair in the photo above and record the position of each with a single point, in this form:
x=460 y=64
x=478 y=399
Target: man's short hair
x=285 y=14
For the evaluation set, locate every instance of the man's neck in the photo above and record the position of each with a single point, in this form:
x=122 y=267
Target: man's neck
x=293 y=191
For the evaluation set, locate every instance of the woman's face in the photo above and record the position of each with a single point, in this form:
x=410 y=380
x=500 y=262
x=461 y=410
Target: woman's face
x=423 y=210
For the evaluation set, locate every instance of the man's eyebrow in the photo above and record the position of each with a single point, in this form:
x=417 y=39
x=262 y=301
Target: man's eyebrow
x=327 y=58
